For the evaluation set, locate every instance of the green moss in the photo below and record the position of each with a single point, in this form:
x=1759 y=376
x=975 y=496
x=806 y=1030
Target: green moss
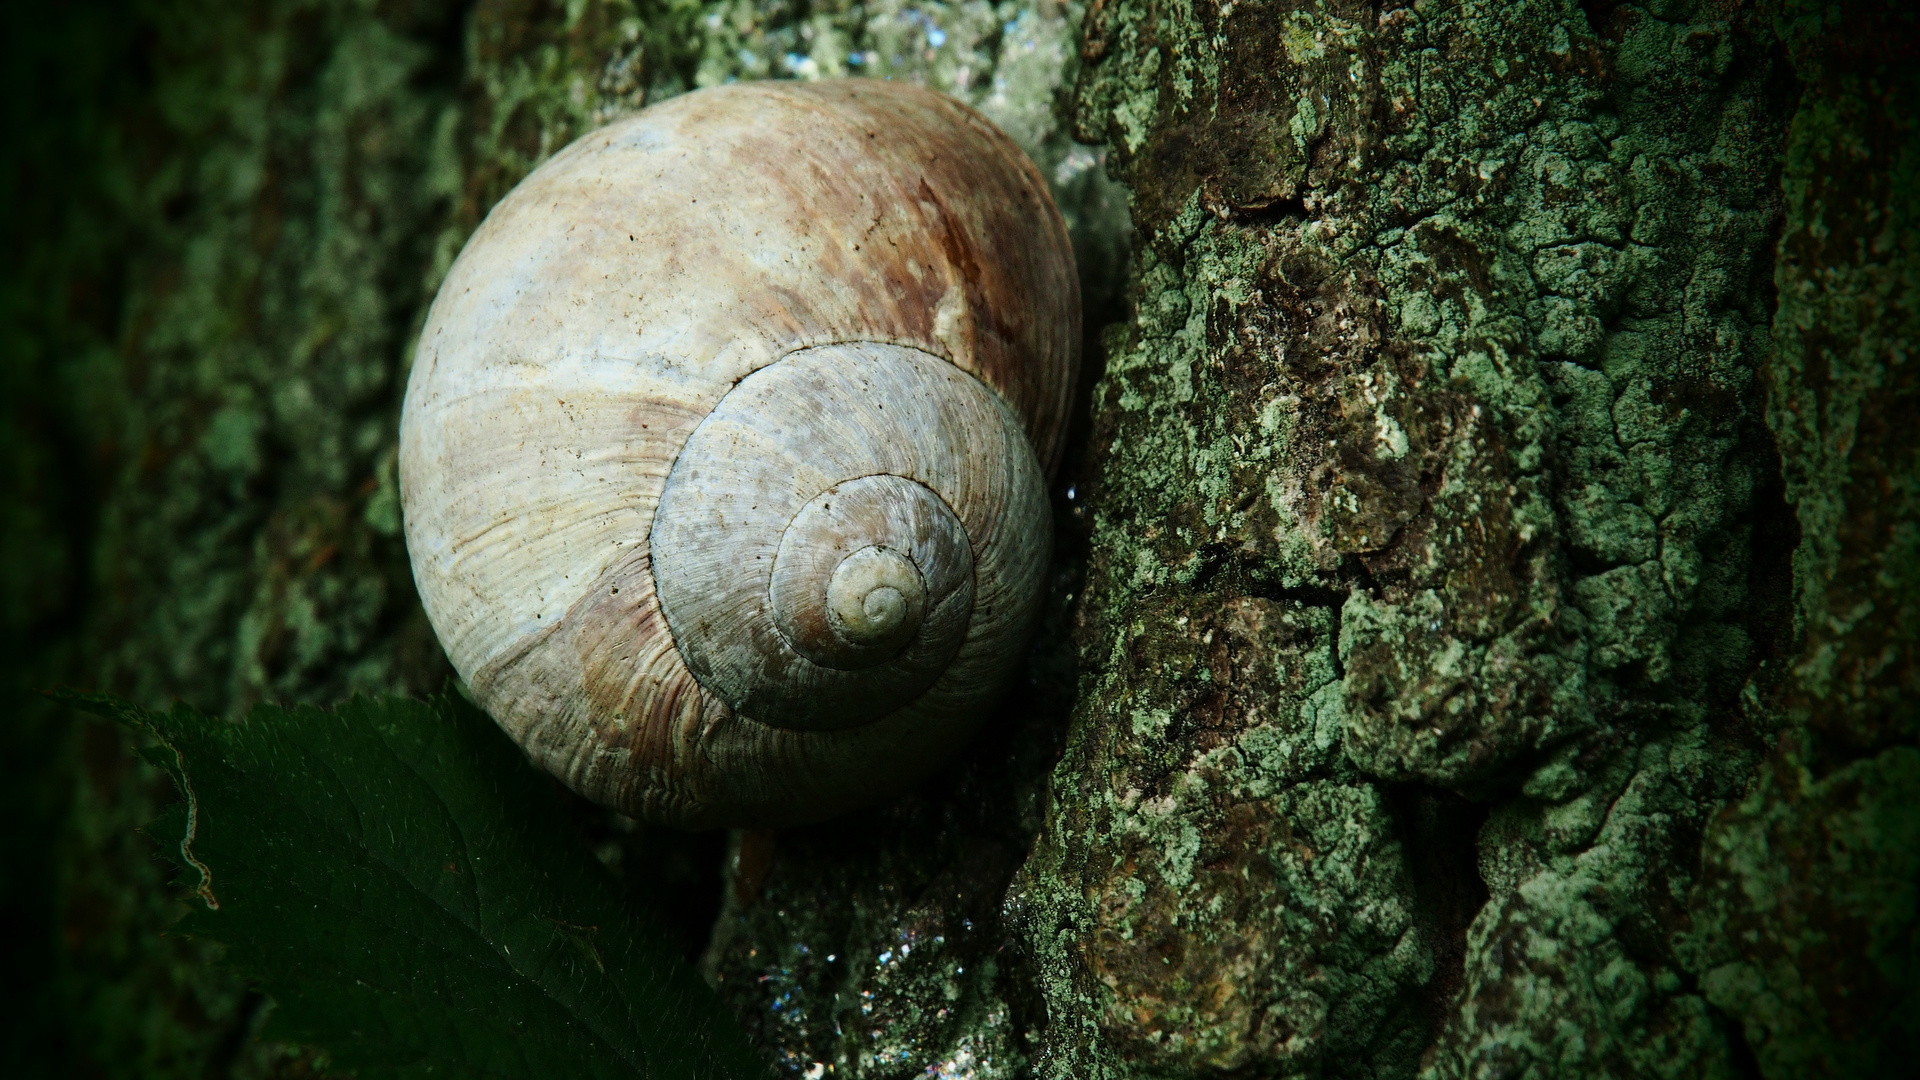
x=1437 y=458
x=1805 y=918
x=309 y=155
x=1465 y=363
x=1247 y=902
x=1808 y=913
x=286 y=184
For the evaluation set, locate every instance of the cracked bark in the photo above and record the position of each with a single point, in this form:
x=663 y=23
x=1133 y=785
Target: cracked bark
x=1481 y=640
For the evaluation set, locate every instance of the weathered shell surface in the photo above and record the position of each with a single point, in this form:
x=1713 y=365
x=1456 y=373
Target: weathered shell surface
x=722 y=455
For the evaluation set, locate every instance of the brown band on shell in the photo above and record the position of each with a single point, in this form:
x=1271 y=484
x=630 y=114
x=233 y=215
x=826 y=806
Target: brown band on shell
x=901 y=216
x=680 y=756
x=603 y=311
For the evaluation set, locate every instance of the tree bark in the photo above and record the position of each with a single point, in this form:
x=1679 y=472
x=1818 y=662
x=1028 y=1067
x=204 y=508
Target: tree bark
x=1481 y=641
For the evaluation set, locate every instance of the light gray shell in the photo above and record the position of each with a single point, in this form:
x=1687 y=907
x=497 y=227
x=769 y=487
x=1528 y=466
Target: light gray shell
x=718 y=457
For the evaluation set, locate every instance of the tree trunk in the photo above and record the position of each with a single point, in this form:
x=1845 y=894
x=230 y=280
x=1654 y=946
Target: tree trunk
x=1482 y=633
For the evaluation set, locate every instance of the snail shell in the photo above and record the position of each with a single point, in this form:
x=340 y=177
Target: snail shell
x=723 y=454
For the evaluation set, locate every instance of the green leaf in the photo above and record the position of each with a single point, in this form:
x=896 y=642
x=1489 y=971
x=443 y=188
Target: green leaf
x=408 y=889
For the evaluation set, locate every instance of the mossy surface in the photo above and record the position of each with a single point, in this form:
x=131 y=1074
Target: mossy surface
x=1448 y=331
x=237 y=267
x=226 y=300
x=1807 y=917
x=1508 y=437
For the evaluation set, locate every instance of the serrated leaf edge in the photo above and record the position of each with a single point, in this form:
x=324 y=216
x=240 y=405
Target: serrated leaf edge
x=204 y=890
x=142 y=720
x=108 y=707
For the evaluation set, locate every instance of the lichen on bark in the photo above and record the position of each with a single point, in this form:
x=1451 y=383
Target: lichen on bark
x=276 y=174
x=1506 y=435
x=1806 y=921
x=1446 y=333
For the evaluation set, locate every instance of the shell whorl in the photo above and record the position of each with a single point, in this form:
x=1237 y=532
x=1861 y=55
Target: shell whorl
x=819 y=540
x=723 y=452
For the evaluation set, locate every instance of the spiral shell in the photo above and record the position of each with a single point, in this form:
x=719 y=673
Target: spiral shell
x=723 y=455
